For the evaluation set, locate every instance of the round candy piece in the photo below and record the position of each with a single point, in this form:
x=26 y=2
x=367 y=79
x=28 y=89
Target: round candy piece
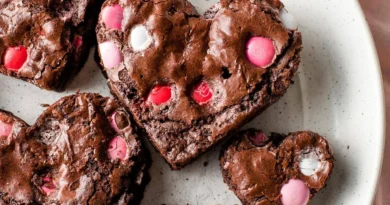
x=117 y=148
x=260 y=51
x=295 y=192
x=259 y=139
x=140 y=38
x=112 y=16
x=308 y=166
x=288 y=20
x=5 y=129
x=110 y=54
x=15 y=57
x=78 y=41
x=48 y=185
x=160 y=94
x=202 y=93
x=119 y=121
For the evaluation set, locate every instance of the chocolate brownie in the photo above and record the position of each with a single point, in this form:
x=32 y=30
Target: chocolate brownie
x=46 y=42
x=188 y=79
x=276 y=169
x=83 y=149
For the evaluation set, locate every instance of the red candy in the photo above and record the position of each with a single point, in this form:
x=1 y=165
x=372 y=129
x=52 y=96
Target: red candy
x=117 y=148
x=78 y=41
x=202 y=93
x=260 y=51
x=160 y=94
x=15 y=57
x=112 y=16
x=260 y=139
x=5 y=129
x=48 y=185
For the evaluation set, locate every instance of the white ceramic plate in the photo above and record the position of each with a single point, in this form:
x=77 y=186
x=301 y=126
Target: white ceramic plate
x=338 y=93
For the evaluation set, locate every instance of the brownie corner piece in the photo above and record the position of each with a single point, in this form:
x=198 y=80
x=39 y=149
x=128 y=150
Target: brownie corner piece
x=46 y=42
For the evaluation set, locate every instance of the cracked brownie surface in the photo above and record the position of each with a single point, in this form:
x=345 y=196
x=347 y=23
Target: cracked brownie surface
x=189 y=79
x=261 y=169
x=83 y=149
x=46 y=42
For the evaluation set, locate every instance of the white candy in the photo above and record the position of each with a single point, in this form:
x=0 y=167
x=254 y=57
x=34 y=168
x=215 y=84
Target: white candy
x=288 y=20
x=140 y=38
x=308 y=166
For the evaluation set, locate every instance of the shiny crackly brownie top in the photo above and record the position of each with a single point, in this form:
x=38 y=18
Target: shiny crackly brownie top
x=276 y=169
x=82 y=150
x=190 y=79
x=42 y=41
x=171 y=61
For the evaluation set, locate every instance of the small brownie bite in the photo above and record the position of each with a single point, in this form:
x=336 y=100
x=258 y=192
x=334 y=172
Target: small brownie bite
x=46 y=42
x=83 y=149
x=189 y=79
x=277 y=169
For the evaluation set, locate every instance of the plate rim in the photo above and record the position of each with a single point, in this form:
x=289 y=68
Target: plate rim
x=372 y=51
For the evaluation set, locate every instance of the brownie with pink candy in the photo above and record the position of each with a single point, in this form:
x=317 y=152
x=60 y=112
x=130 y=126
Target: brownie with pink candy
x=276 y=169
x=189 y=79
x=83 y=149
x=46 y=42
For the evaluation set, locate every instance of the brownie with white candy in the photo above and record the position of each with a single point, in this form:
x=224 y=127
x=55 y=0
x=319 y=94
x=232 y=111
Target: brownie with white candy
x=83 y=149
x=189 y=79
x=276 y=169
x=46 y=42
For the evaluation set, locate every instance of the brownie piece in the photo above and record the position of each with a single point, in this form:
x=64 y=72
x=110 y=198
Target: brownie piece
x=46 y=42
x=83 y=149
x=188 y=79
x=276 y=169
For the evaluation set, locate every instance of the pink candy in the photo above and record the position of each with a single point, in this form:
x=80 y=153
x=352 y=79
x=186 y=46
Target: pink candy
x=259 y=139
x=260 y=51
x=112 y=16
x=202 y=93
x=48 y=185
x=110 y=54
x=295 y=192
x=5 y=129
x=15 y=57
x=160 y=94
x=113 y=123
x=117 y=148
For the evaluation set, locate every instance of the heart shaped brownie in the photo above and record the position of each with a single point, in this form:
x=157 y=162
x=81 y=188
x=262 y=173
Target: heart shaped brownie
x=279 y=169
x=189 y=79
x=82 y=150
x=45 y=42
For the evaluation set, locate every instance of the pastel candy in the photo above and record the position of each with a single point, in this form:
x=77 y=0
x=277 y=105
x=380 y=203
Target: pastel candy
x=117 y=148
x=288 y=20
x=160 y=94
x=5 y=129
x=119 y=121
x=112 y=16
x=202 y=93
x=260 y=139
x=110 y=54
x=48 y=185
x=295 y=192
x=260 y=51
x=15 y=57
x=308 y=166
x=113 y=123
x=140 y=38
